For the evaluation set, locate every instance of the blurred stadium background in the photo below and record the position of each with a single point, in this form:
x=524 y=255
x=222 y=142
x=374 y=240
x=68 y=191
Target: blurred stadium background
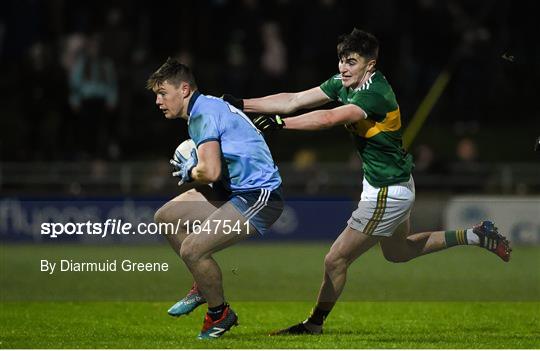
x=68 y=131
x=75 y=136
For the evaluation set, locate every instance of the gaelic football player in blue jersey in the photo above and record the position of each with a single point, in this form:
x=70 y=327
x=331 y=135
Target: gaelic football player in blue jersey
x=236 y=193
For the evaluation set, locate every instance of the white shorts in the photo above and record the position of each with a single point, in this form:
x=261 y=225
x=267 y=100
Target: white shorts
x=381 y=210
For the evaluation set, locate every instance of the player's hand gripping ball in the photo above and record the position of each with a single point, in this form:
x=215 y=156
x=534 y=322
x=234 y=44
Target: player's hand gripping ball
x=184 y=160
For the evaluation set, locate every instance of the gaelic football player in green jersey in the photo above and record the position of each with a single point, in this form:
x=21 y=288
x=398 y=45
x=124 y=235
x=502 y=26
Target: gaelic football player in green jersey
x=371 y=114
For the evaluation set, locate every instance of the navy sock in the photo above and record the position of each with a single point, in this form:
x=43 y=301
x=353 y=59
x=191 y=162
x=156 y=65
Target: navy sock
x=318 y=316
x=216 y=312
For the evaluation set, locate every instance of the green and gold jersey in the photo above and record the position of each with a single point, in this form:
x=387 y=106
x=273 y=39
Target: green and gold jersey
x=377 y=138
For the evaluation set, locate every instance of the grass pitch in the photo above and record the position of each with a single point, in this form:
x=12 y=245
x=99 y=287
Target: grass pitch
x=403 y=325
x=461 y=298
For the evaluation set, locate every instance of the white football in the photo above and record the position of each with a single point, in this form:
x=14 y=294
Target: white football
x=184 y=149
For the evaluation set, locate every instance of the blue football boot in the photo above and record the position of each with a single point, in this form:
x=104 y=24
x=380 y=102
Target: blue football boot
x=185 y=306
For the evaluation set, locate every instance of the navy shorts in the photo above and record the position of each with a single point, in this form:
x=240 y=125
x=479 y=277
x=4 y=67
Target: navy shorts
x=261 y=207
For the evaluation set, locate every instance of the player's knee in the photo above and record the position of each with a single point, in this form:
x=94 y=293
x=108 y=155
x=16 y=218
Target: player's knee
x=190 y=253
x=170 y=213
x=162 y=215
x=334 y=262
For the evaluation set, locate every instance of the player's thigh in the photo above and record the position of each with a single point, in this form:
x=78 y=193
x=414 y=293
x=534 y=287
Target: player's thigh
x=194 y=204
x=381 y=210
x=223 y=228
x=349 y=245
x=397 y=243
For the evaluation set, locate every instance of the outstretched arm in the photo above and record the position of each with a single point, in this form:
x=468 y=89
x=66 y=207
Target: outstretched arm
x=286 y=102
x=323 y=119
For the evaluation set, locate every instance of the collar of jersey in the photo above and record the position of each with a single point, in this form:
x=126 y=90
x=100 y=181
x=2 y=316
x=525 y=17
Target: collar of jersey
x=194 y=98
x=367 y=83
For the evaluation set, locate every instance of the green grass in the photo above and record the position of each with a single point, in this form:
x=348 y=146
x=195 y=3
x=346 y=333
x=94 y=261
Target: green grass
x=460 y=298
x=352 y=325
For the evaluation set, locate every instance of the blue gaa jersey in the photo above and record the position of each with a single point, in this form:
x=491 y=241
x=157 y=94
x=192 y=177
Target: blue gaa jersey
x=246 y=160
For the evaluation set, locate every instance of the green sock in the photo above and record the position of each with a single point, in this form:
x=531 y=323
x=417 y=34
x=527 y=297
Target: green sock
x=456 y=237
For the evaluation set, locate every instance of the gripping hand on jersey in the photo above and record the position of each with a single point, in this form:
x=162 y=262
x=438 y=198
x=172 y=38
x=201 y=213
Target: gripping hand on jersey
x=236 y=102
x=184 y=166
x=267 y=123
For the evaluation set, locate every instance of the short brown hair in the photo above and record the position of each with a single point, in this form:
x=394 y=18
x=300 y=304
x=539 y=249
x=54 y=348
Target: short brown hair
x=363 y=43
x=173 y=72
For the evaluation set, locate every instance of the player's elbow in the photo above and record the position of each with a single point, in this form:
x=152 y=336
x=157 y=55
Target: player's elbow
x=293 y=104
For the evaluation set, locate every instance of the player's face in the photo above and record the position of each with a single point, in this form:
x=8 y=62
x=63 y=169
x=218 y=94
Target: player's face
x=353 y=69
x=169 y=99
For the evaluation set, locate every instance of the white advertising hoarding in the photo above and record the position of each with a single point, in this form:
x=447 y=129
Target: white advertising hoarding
x=518 y=218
